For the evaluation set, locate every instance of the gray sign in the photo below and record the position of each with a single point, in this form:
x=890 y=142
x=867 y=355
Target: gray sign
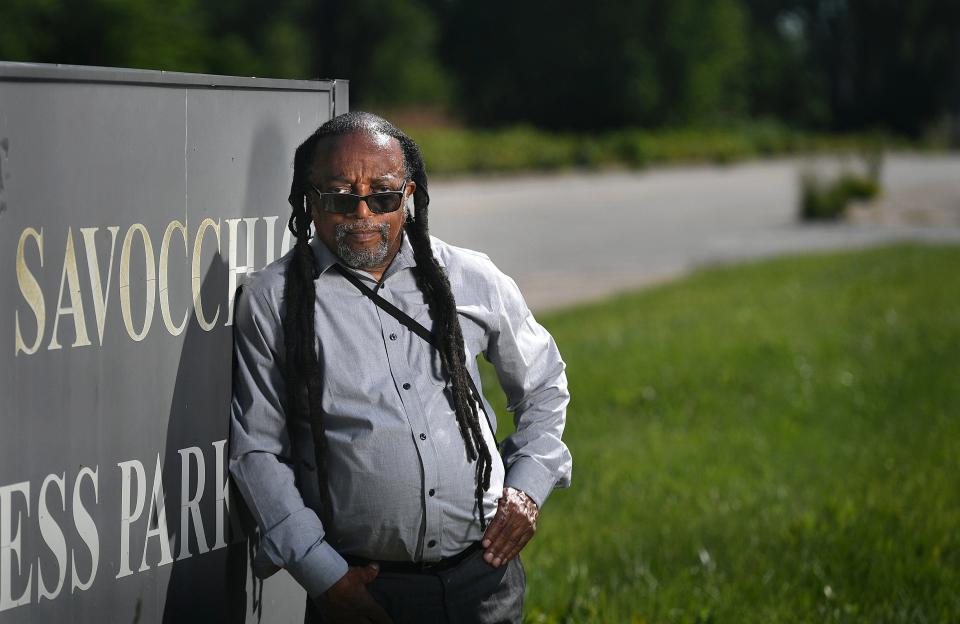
x=132 y=204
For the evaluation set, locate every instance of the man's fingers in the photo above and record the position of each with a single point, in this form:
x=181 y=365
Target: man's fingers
x=517 y=546
x=493 y=541
x=360 y=607
x=496 y=526
x=369 y=572
x=519 y=530
x=506 y=539
x=511 y=543
x=370 y=608
x=377 y=615
x=512 y=527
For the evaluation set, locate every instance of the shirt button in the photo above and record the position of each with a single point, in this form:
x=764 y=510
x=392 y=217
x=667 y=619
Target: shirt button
x=393 y=336
x=432 y=492
x=432 y=543
x=423 y=436
x=406 y=386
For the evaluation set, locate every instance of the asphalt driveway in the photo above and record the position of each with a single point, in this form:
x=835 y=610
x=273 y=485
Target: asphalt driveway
x=575 y=237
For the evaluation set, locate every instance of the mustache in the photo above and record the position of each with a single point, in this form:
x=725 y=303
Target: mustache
x=343 y=229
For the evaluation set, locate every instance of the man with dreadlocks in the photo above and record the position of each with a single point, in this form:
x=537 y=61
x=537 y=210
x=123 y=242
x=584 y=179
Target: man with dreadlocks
x=359 y=437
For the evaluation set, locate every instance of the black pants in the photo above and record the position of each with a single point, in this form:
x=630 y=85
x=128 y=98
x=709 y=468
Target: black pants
x=473 y=592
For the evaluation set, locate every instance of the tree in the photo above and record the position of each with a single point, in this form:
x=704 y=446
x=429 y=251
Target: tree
x=386 y=49
x=598 y=65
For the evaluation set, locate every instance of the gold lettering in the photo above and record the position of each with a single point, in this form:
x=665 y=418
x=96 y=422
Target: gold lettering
x=196 y=278
x=173 y=226
x=125 y=281
x=70 y=276
x=30 y=289
x=271 y=238
x=101 y=296
x=232 y=268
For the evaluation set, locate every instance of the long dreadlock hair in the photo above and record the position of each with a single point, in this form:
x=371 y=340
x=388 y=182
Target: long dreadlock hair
x=303 y=369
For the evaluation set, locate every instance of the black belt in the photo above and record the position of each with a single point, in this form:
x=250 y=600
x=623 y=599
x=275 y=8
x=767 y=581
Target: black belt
x=416 y=567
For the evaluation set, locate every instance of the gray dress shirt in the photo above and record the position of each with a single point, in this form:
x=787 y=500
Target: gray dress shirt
x=398 y=481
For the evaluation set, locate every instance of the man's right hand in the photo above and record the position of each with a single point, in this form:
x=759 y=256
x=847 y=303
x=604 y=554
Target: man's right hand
x=349 y=602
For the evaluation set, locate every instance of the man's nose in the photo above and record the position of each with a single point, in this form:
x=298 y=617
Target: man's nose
x=362 y=210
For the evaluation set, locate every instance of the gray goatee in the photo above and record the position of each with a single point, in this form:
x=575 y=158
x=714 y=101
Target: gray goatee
x=365 y=258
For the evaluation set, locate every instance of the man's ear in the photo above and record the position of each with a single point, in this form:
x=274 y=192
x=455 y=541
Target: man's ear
x=411 y=208
x=311 y=209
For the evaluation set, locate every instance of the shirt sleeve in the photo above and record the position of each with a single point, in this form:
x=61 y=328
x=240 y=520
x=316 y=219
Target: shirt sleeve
x=532 y=374
x=292 y=535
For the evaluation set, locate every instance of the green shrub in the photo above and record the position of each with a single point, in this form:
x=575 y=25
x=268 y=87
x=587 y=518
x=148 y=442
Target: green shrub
x=857 y=187
x=633 y=148
x=824 y=200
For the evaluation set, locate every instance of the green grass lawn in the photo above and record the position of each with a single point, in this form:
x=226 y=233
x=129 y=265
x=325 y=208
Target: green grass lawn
x=776 y=442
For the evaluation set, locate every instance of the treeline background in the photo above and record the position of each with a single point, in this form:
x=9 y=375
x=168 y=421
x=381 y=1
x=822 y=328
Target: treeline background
x=817 y=65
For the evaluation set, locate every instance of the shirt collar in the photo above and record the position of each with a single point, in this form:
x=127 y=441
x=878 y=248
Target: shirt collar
x=323 y=256
x=403 y=260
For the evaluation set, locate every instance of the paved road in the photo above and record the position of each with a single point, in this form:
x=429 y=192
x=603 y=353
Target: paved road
x=576 y=237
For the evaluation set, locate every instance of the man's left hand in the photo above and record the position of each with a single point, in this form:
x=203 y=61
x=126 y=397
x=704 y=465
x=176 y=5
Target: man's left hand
x=511 y=529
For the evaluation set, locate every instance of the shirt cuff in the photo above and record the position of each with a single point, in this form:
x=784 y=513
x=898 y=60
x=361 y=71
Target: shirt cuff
x=531 y=478
x=297 y=544
x=319 y=570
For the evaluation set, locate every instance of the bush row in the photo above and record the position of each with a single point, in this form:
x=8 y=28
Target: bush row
x=517 y=149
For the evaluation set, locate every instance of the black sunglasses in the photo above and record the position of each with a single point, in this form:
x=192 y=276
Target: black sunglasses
x=347 y=203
